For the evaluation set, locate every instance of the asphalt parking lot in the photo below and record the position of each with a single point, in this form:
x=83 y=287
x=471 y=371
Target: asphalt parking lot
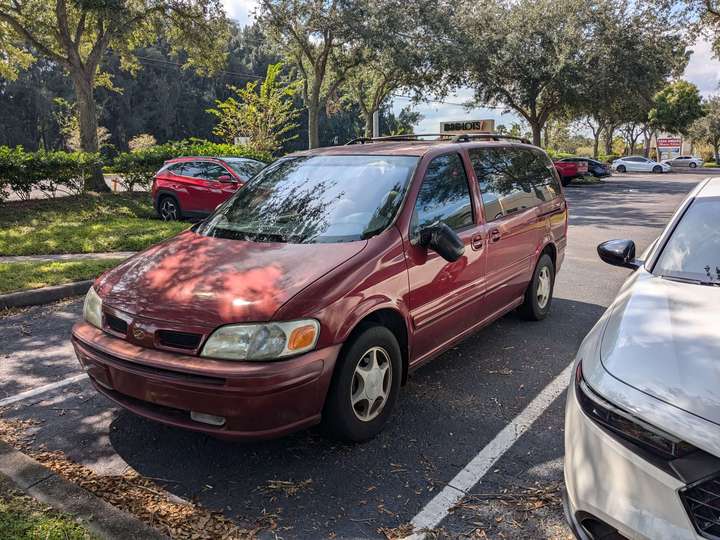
x=448 y=412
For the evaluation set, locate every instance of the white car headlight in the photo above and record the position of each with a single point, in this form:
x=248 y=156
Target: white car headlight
x=262 y=341
x=92 y=308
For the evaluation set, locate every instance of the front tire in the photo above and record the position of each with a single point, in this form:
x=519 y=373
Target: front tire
x=657 y=169
x=621 y=168
x=538 y=295
x=693 y=165
x=365 y=386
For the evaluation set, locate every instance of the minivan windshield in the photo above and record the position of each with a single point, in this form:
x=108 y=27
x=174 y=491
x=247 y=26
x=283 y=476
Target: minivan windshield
x=692 y=253
x=312 y=199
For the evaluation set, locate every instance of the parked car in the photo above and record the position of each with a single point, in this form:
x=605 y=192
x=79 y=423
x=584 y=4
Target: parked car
x=194 y=186
x=642 y=424
x=595 y=167
x=316 y=288
x=639 y=164
x=684 y=161
x=570 y=169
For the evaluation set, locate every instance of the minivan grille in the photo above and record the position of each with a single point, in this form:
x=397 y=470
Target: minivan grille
x=702 y=502
x=178 y=340
x=116 y=324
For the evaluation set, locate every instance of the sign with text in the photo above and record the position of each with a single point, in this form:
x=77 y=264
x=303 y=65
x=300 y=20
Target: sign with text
x=669 y=142
x=467 y=126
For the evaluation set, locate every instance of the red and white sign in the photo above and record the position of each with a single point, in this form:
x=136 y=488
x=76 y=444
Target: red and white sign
x=669 y=142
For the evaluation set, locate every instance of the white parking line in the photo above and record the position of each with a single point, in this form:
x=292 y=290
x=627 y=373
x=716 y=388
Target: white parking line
x=41 y=390
x=436 y=510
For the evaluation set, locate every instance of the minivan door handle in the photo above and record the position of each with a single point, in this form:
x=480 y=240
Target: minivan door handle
x=495 y=235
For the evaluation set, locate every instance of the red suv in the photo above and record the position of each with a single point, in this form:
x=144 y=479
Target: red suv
x=195 y=186
x=313 y=292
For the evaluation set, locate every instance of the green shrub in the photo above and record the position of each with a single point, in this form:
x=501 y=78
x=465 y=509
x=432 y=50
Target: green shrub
x=608 y=158
x=50 y=172
x=136 y=169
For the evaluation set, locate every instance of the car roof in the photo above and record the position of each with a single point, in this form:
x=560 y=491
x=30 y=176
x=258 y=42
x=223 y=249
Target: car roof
x=710 y=189
x=405 y=148
x=237 y=158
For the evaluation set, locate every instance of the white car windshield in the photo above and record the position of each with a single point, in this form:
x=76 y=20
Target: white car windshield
x=692 y=253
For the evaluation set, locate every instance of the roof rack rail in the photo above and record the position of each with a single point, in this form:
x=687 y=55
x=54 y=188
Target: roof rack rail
x=463 y=137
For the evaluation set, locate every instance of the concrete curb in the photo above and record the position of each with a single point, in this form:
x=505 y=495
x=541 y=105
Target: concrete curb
x=45 y=295
x=67 y=257
x=101 y=518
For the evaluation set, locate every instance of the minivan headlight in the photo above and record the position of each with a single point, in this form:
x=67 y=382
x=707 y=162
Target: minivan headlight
x=92 y=308
x=262 y=341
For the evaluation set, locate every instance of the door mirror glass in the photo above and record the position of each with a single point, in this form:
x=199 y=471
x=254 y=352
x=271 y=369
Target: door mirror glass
x=619 y=253
x=443 y=240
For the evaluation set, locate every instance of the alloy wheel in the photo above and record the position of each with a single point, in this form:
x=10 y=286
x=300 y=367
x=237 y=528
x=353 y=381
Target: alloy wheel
x=543 y=288
x=168 y=209
x=371 y=384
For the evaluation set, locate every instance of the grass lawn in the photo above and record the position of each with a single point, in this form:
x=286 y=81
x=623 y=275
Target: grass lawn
x=24 y=518
x=82 y=224
x=32 y=275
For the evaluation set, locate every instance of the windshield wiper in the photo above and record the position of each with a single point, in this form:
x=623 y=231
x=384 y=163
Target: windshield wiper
x=690 y=280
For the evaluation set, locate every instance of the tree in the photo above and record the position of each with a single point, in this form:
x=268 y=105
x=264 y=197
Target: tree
x=265 y=116
x=322 y=41
x=78 y=34
x=516 y=59
x=707 y=129
x=676 y=107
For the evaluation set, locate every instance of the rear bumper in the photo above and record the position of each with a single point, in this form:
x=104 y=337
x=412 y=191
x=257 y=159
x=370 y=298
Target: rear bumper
x=258 y=400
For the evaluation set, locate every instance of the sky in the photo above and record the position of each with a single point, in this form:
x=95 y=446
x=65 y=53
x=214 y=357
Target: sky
x=703 y=70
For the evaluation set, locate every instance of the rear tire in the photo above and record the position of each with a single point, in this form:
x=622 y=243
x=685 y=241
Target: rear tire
x=365 y=386
x=621 y=168
x=538 y=296
x=657 y=169
x=168 y=208
x=564 y=180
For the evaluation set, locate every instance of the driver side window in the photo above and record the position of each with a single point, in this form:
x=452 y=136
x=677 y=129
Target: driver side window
x=444 y=195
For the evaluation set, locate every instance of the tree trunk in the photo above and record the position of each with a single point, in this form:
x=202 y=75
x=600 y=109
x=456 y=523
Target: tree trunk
x=546 y=136
x=368 y=119
x=536 y=132
x=313 y=128
x=609 y=132
x=87 y=119
x=596 y=144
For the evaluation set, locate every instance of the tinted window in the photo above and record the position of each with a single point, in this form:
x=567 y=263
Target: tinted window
x=513 y=179
x=693 y=250
x=444 y=195
x=635 y=159
x=213 y=171
x=246 y=168
x=310 y=199
x=194 y=169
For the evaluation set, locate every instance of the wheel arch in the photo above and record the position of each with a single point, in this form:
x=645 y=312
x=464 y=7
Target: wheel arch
x=392 y=319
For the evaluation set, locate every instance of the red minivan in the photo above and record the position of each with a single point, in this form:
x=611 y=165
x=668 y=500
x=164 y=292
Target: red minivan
x=311 y=293
x=195 y=186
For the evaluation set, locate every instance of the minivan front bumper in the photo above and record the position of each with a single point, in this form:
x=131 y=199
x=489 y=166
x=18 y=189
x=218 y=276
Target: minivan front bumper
x=257 y=400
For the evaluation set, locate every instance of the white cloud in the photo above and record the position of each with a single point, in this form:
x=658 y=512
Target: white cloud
x=703 y=69
x=240 y=10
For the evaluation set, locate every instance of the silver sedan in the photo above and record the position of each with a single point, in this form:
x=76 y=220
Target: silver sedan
x=685 y=161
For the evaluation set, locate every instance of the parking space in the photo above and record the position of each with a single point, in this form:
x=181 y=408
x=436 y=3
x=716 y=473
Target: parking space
x=448 y=412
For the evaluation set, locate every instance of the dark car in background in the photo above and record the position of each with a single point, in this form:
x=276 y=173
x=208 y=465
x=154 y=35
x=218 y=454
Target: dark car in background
x=595 y=167
x=195 y=186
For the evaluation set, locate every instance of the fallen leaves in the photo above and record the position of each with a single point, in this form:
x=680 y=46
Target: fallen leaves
x=397 y=533
x=287 y=487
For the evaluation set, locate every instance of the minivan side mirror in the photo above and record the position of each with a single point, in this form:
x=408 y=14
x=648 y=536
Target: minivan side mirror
x=443 y=240
x=226 y=178
x=619 y=253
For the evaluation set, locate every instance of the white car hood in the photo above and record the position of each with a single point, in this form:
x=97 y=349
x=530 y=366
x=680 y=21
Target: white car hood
x=663 y=338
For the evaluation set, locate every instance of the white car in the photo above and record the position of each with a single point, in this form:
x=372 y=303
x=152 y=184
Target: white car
x=684 y=161
x=639 y=164
x=642 y=422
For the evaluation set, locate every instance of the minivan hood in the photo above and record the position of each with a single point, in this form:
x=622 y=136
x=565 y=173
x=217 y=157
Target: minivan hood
x=202 y=281
x=663 y=338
